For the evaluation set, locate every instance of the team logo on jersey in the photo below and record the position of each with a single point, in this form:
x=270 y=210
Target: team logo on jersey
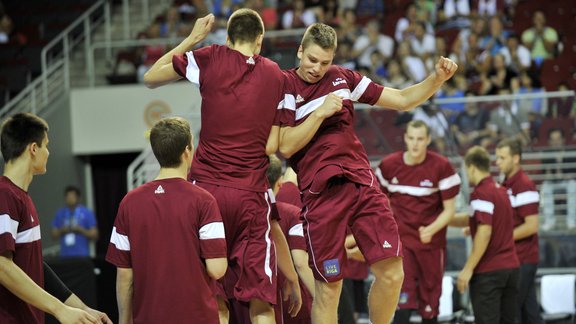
x=428 y=309
x=331 y=268
x=394 y=180
x=387 y=245
x=299 y=99
x=338 y=81
x=159 y=190
x=426 y=183
x=403 y=298
x=250 y=60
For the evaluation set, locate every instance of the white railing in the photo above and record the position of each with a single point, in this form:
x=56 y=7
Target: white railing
x=55 y=56
x=128 y=43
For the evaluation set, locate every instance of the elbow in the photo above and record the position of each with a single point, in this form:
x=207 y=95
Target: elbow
x=285 y=152
x=216 y=273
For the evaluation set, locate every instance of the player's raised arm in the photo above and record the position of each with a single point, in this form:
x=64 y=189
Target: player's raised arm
x=411 y=97
x=162 y=72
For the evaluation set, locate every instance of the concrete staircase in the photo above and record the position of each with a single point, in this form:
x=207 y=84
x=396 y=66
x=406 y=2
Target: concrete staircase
x=103 y=66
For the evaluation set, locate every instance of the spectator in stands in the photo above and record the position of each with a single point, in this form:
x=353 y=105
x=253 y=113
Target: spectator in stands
x=562 y=107
x=5 y=28
x=370 y=8
x=488 y=8
x=477 y=26
x=559 y=179
x=540 y=39
x=516 y=55
x=498 y=77
x=405 y=25
x=172 y=25
x=471 y=125
x=412 y=65
x=378 y=66
x=492 y=267
x=298 y=16
x=509 y=121
x=395 y=76
x=344 y=56
x=437 y=123
x=477 y=60
x=496 y=38
x=329 y=13
x=372 y=40
x=266 y=11
x=426 y=10
x=74 y=225
x=535 y=108
x=422 y=44
x=348 y=30
x=151 y=52
x=441 y=50
x=453 y=13
x=224 y=8
x=450 y=90
x=525 y=200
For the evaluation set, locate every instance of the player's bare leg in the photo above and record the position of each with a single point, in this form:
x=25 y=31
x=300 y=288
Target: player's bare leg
x=261 y=312
x=385 y=290
x=223 y=312
x=325 y=304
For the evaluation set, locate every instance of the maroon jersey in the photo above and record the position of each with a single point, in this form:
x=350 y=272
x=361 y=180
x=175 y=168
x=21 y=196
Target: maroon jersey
x=20 y=234
x=289 y=193
x=416 y=193
x=525 y=201
x=240 y=96
x=491 y=206
x=335 y=148
x=292 y=229
x=164 y=230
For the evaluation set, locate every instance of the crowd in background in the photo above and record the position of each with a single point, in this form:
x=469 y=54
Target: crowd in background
x=396 y=43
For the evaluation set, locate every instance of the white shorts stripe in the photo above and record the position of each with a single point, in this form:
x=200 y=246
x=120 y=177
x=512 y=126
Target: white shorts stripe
x=482 y=206
x=360 y=89
x=8 y=225
x=211 y=231
x=296 y=230
x=121 y=242
x=525 y=198
x=28 y=236
x=192 y=69
x=267 y=269
x=449 y=182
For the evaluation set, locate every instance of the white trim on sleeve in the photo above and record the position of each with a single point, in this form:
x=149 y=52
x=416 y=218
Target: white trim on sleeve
x=483 y=206
x=121 y=242
x=211 y=231
x=8 y=225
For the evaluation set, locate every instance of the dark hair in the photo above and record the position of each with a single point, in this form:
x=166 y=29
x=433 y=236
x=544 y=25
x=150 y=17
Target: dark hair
x=418 y=124
x=169 y=138
x=513 y=144
x=74 y=189
x=274 y=171
x=244 y=26
x=321 y=35
x=20 y=130
x=478 y=157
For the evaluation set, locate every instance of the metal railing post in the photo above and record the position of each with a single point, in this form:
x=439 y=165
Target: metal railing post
x=108 y=29
x=87 y=40
x=145 y=10
x=126 y=18
x=66 y=63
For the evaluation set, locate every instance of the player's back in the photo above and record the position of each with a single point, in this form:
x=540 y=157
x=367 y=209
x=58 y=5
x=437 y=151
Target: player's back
x=162 y=220
x=240 y=96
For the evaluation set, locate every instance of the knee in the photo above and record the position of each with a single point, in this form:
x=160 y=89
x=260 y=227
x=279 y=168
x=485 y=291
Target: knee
x=327 y=292
x=389 y=272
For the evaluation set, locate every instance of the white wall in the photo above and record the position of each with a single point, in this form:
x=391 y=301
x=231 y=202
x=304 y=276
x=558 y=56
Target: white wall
x=116 y=119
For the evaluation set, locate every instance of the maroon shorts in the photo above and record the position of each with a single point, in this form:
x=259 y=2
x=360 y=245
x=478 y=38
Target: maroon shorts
x=340 y=204
x=251 y=270
x=422 y=287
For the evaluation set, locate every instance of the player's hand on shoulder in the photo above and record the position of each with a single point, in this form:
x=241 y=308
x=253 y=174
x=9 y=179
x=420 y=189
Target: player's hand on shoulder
x=445 y=68
x=202 y=27
x=332 y=104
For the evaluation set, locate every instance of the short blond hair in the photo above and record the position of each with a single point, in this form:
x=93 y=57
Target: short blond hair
x=321 y=35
